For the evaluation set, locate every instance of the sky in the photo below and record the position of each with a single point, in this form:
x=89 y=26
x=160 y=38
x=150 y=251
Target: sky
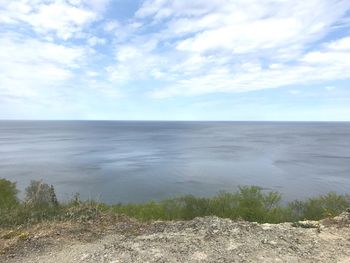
x=253 y=60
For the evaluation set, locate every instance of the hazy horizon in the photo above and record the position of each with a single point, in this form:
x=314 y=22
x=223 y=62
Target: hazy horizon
x=128 y=120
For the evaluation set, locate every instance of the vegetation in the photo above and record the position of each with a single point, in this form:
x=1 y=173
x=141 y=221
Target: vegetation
x=40 y=194
x=8 y=194
x=248 y=203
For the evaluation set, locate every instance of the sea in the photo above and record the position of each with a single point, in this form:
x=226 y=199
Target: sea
x=138 y=161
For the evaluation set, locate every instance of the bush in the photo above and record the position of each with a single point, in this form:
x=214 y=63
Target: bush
x=39 y=193
x=8 y=194
x=254 y=205
x=191 y=207
x=224 y=205
x=248 y=203
x=320 y=207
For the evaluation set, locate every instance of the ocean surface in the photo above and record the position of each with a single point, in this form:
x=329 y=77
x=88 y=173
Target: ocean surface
x=127 y=161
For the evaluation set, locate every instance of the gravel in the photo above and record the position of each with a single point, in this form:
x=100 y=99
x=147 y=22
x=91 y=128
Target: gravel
x=208 y=239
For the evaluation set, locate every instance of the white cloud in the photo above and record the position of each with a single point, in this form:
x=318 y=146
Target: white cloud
x=111 y=26
x=185 y=48
x=324 y=65
x=239 y=46
x=34 y=51
x=98 y=6
x=161 y=9
x=327 y=57
x=241 y=29
x=342 y=44
x=63 y=18
x=125 y=53
x=30 y=66
x=122 y=32
x=93 y=41
x=251 y=37
x=135 y=63
x=335 y=54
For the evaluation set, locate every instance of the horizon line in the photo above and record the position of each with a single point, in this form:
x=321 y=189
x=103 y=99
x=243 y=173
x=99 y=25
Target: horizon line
x=150 y=120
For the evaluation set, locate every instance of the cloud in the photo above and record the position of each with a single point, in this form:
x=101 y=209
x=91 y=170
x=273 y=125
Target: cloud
x=66 y=48
x=65 y=19
x=30 y=66
x=111 y=26
x=161 y=9
x=342 y=44
x=99 y=6
x=29 y=50
x=60 y=18
x=239 y=46
x=93 y=41
x=313 y=67
x=40 y=59
x=136 y=60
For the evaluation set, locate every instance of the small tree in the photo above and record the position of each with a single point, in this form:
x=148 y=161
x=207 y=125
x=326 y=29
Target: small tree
x=8 y=194
x=53 y=197
x=39 y=193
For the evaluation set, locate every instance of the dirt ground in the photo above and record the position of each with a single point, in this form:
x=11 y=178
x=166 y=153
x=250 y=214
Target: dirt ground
x=208 y=239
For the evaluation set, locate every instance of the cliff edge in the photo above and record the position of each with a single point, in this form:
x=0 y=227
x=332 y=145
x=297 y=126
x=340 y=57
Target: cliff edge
x=208 y=239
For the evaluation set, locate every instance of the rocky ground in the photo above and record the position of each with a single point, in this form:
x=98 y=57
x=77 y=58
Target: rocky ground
x=208 y=239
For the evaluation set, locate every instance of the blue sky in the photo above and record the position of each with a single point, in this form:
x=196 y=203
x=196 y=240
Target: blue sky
x=175 y=60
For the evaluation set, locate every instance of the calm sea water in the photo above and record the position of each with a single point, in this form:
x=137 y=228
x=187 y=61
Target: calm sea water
x=139 y=161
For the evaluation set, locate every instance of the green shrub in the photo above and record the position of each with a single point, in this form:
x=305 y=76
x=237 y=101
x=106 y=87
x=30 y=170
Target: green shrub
x=251 y=204
x=224 y=205
x=248 y=203
x=40 y=194
x=320 y=207
x=8 y=194
x=190 y=207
